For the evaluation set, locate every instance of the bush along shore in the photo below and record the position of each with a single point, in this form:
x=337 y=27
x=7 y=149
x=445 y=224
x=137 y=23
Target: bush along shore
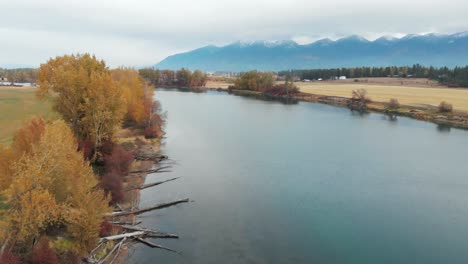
x=69 y=187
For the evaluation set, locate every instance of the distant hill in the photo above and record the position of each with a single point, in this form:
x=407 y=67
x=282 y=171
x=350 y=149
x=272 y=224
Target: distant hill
x=353 y=51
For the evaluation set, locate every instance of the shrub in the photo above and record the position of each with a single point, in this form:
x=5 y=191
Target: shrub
x=282 y=89
x=105 y=229
x=360 y=95
x=393 y=104
x=9 y=258
x=119 y=160
x=111 y=183
x=43 y=253
x=445 y=107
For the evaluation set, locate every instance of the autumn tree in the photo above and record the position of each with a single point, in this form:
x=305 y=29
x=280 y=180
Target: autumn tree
x=85 y=94
x=198 y=79
x=53 y=186
x=255 y=81
x=183 y=77
x=135 y=93
x=152 y=76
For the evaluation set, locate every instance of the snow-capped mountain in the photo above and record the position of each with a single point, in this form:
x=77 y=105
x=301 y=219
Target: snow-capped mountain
x=429 y=49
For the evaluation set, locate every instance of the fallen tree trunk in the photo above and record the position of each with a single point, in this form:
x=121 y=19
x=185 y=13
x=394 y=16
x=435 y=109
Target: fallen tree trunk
x=156 y=207
x=122 y=236
x=126 y=223
x=151 y=233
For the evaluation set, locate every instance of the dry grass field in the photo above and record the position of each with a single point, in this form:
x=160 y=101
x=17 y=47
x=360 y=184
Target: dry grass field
x=406 y=95
x=217 y=84
x=17 y=105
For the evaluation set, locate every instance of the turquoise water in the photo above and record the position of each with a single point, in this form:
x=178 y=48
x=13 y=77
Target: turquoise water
x=306 y=183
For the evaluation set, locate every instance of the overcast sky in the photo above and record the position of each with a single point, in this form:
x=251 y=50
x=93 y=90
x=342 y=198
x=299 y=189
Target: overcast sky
x=143 y=32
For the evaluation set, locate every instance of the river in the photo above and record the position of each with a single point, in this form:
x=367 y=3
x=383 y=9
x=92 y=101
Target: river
x=306 y=183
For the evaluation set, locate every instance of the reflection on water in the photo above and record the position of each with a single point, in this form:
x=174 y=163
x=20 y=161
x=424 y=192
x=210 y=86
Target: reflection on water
x=443 y=128
x=306 y=183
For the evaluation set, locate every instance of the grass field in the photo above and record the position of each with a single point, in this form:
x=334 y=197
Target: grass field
x=406 y=95
x=17 y=105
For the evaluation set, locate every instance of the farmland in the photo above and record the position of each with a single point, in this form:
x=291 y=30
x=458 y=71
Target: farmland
x=407 y=95
x=17 y=105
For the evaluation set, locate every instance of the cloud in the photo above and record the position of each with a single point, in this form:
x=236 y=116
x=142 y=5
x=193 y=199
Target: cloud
x=143 y=32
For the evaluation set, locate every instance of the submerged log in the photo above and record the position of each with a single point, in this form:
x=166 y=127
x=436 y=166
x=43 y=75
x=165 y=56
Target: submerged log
x=150 y=244
x=144 y=186
x=160 y=169
x=126 y=223
x=151 y=233
x=156 y=207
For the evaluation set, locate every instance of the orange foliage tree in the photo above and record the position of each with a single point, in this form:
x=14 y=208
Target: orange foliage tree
x=135 y=93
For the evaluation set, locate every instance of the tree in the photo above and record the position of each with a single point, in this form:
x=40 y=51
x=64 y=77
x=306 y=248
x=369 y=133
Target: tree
x=183 y=77
x=198 y=79
x=135 y=93
x=445 y=107
x=53 y=186
x=255 y=81
x=85 y=94
x=393 y=104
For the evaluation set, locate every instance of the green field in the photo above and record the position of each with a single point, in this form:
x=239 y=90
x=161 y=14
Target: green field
x=18 y=105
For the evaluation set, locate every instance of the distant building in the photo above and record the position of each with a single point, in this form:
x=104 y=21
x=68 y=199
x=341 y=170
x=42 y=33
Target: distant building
x=342 y=78
x=3 y=79
x=319 y=79
x=306 y=80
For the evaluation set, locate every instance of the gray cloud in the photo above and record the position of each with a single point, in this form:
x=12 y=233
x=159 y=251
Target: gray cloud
x=143 y=32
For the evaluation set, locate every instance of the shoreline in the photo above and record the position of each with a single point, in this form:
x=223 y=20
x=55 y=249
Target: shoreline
x=455 y=119
x=133 y=181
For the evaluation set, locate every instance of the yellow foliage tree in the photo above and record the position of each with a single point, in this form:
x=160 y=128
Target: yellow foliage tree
x=53 y=185
x=85 y=94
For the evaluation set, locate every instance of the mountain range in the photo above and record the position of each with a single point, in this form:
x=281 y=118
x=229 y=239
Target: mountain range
x=354 y=51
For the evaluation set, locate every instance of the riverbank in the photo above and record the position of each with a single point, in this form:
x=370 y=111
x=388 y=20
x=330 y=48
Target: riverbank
x=456 y=119
x=133 y=140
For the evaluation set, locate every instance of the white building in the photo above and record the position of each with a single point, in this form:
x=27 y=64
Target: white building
x=342 y=78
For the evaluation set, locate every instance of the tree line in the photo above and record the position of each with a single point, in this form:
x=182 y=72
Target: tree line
x=23 y=75
x=59 y=178
x=457 y=76
x=170 y=78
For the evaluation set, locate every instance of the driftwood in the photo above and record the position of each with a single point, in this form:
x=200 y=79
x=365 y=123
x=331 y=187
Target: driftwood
x=126 y=223
x=150 y=244
x=156 y=207
x=150 y=156
x=150 y=233
x=122 y=236
x=144 y=186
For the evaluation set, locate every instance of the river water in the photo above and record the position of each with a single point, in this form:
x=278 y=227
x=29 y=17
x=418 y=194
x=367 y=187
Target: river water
x=306 y=183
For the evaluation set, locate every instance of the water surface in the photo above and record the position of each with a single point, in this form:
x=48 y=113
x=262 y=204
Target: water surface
x=306 y=183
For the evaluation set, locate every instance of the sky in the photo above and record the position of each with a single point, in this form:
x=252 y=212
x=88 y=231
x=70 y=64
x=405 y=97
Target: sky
x=140 y=33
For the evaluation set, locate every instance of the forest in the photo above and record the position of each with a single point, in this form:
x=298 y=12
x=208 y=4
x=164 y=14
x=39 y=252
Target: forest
x=59 y=178
x=453 y=77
